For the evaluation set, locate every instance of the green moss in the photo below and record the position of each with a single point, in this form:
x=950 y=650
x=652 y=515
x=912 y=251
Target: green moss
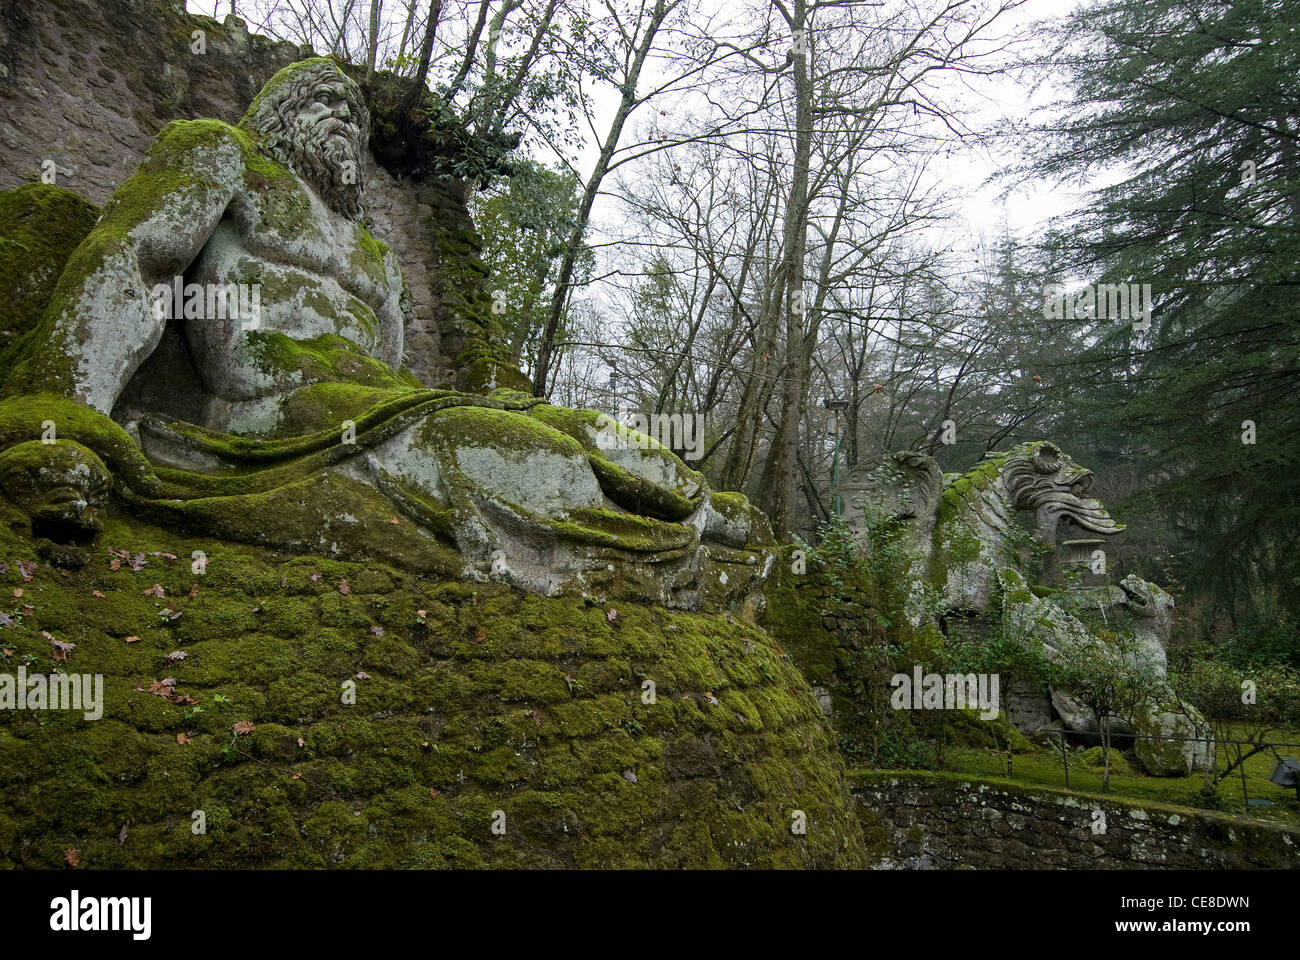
x=540 y=719
x=40 y=226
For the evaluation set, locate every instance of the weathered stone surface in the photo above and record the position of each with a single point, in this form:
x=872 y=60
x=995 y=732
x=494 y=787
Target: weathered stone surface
x=994 y=825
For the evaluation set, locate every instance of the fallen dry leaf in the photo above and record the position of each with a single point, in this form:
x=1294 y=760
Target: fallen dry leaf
x=363 y=675
x=194 y=590
x=115 y=564
x=243 y=727
x=97 y=595
x=163 y=688
x=316 y=576
x=61 y=649
x=132 y=639
x=18 y=591
x=395 y=522
x=184 y=701
x=296 y=776
x=28 y=570
x=300 y=742
x=421 y=613
x=344 y=588
x=476 y=634
x=72 y=856
x=433 y=792
x=183 y=738
x=377 y=631
x=611 y=615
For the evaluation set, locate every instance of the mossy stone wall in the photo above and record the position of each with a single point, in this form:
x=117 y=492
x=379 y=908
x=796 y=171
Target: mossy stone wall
x=469 y=699
x=918 y=820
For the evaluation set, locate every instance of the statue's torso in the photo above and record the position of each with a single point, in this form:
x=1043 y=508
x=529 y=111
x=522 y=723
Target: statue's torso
x=316 y=274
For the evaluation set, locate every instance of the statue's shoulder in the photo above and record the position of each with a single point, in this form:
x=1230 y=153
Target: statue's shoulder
x=185 y=143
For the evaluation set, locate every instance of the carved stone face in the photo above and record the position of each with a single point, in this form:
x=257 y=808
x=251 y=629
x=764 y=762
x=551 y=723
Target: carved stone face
x=1040 y=477
x=62 y=487
x=314 y=120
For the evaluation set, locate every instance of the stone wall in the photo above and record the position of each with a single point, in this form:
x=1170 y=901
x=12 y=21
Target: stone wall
x=824 y=622
x=943 y=821
x=89 y=83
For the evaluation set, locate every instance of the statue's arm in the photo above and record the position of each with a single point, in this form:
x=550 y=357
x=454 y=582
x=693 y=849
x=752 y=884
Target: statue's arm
x=102 y=322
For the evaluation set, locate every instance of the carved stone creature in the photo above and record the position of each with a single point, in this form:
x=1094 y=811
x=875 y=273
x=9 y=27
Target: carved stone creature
x=969 y=546
x=294 y=426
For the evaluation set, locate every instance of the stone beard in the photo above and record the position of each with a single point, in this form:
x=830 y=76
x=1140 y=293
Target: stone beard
x=324 y=150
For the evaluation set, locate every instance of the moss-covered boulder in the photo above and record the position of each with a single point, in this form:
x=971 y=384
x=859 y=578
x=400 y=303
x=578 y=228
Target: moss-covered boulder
x=267 y=709
x=40 y=226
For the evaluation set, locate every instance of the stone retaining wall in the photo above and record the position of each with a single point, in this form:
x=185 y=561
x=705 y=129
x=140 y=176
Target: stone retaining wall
x=921 y=821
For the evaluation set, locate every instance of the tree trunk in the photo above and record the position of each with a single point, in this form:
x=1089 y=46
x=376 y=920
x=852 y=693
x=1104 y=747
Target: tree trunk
x=785 y=443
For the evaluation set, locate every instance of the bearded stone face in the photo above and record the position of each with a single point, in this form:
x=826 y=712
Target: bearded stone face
x=313 y=119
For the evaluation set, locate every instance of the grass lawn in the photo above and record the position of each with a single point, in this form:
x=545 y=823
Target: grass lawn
x=1043 y=766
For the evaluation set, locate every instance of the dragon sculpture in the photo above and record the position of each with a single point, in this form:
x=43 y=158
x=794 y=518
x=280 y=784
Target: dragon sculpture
x=970 y=550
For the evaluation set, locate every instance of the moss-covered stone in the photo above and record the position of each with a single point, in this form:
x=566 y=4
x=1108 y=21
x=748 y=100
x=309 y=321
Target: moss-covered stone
x=469 y=699
x=40 y=226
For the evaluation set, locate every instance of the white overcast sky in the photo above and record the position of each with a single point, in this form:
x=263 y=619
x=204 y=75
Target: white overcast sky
x=981 y=211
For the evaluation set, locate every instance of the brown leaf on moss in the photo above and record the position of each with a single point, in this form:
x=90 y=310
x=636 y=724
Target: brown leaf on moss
x=395 y=522
x=344 y=588
x=132 y=639
x=115 y=564
x=476 y=634
x=18 y=591
x=194 y=590
x=61 y=649
x=72 y=857
x=28 y=570
x=163 y=688
x=611 y=615
x=97 y=595
x=242 y=727
x=183 y=739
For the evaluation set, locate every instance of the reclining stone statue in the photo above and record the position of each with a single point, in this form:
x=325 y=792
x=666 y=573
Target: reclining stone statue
x=969 y=551
x=226 y=344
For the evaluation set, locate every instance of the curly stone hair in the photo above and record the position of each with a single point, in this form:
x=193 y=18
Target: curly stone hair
x=328 y=154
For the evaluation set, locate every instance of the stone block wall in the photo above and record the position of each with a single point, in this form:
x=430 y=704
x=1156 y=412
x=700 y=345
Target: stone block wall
x=945 y=821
